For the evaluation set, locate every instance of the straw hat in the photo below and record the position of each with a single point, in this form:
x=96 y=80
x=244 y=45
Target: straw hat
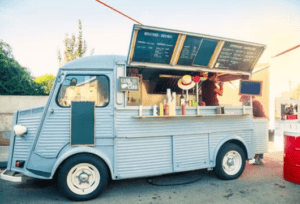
x=186 y=82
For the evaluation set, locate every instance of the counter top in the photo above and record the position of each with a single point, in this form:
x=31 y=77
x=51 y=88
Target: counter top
x=178 y=116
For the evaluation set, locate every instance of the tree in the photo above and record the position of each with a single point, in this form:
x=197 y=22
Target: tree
x=46 y=81
x=296 y=93
x=6 y=49
x=15 y=79
x=73 y=49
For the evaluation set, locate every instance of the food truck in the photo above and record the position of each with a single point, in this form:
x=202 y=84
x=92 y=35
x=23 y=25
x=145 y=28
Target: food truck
x=104 y=118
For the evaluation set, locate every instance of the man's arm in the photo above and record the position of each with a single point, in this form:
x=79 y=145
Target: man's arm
x=219 y=91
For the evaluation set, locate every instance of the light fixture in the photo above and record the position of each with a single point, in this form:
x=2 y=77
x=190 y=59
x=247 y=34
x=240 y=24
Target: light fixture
x=169 y=76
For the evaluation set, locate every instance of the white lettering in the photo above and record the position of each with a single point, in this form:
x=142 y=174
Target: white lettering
x=151 y=34
x=236 y=46
x=166 y=36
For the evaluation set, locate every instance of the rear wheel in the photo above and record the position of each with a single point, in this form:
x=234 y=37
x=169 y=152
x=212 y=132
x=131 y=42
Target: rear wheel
x=83 y=177
x=230 y=162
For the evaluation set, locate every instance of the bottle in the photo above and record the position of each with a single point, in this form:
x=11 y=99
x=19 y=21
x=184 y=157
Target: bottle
x=155 y=110
x=141 y=110
x=171 y=108
x=181 y=99
x=183 y=109
x=161 y=109
x=167 y=109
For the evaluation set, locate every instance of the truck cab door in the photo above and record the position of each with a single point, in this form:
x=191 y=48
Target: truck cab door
x=76 y=86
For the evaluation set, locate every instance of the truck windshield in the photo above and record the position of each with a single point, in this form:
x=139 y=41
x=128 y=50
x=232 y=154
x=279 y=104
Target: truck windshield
x=84 y=88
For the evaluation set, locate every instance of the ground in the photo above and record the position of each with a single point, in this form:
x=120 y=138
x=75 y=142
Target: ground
x=258 y=184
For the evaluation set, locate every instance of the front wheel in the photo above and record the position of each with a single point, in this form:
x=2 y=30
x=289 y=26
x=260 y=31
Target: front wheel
x=82 y=177
x=230 y=162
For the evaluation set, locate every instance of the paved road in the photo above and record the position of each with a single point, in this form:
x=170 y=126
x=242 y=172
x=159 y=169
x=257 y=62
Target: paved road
x=258 y=184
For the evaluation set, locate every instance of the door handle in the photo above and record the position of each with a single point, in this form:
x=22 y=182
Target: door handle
x=51 y=111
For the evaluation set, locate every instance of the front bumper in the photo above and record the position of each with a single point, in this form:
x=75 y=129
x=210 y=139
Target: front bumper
x=11 y=176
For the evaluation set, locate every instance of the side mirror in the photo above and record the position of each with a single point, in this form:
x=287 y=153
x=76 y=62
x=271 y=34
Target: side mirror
x=73 y=82
x=20 y=130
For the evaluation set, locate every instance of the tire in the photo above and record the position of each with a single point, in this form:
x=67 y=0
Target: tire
x=230 y=162
x=82 y=177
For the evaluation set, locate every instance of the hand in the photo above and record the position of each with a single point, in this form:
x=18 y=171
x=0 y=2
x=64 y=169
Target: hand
x=221 y=83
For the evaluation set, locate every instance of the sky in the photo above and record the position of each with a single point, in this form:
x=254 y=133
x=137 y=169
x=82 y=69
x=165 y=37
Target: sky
x=36 y=29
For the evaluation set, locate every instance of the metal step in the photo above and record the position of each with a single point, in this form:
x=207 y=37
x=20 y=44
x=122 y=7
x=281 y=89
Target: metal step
x=11 y=176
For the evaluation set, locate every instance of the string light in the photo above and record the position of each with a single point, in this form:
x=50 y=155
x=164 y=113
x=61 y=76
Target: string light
x=118 y=11
x=286 y=51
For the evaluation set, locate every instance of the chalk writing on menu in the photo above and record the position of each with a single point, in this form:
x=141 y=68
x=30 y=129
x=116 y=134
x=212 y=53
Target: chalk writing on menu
x=237 y=56
x=154 y=46
x=189 y=50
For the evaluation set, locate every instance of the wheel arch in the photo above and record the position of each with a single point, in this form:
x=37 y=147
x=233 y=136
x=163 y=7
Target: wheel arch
x=82 y=150
x=235 y=140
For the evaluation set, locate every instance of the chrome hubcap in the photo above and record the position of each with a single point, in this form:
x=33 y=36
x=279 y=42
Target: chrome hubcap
x=83 y=178
x=232 y=162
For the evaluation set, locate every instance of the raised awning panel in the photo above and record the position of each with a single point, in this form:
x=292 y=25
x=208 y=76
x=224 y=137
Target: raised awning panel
x=164 y=48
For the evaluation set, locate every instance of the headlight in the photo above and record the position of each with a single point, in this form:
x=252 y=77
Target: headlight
x=20 y=130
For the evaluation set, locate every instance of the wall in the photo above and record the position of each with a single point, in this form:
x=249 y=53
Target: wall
x=10 y=104
x=231 y=95
x=284 y=76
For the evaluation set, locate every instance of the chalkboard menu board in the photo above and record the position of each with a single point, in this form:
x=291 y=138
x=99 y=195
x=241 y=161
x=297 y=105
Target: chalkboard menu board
x=250 y=87
x=205 y=52
x=237 y=56
x=151 y=46
x=154 y=46
x=82 y=123
x=128 y=83
x=189 y=50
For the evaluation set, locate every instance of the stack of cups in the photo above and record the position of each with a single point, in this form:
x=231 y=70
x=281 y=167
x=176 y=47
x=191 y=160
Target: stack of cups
x=174 y=103
x=169 y=101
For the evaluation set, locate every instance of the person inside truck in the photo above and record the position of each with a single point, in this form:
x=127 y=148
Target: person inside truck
x=210 y=90
x=258 y=112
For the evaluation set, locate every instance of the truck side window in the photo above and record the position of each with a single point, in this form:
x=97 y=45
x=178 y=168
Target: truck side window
x=84 y=88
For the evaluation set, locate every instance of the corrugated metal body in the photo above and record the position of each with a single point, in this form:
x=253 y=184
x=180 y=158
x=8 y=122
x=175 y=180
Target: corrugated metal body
x=190 y=152
x=126 y=126
x=55 y=133
x=260 y=136
x=215 y=138
x=144 y=146
x=56 y=130
x=104 y=122
x=143 y=156
x=30 y=119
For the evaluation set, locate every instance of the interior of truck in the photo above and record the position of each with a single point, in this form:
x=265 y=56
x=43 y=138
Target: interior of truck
x=154 y=83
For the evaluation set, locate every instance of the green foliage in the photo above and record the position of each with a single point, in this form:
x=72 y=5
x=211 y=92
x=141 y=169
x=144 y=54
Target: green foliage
x=73 y=49
x=15 y=79
x=296 y=93
x=46 y=81
x=6 y=49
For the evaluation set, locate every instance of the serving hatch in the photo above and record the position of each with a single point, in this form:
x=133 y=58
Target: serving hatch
x=153 y=47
